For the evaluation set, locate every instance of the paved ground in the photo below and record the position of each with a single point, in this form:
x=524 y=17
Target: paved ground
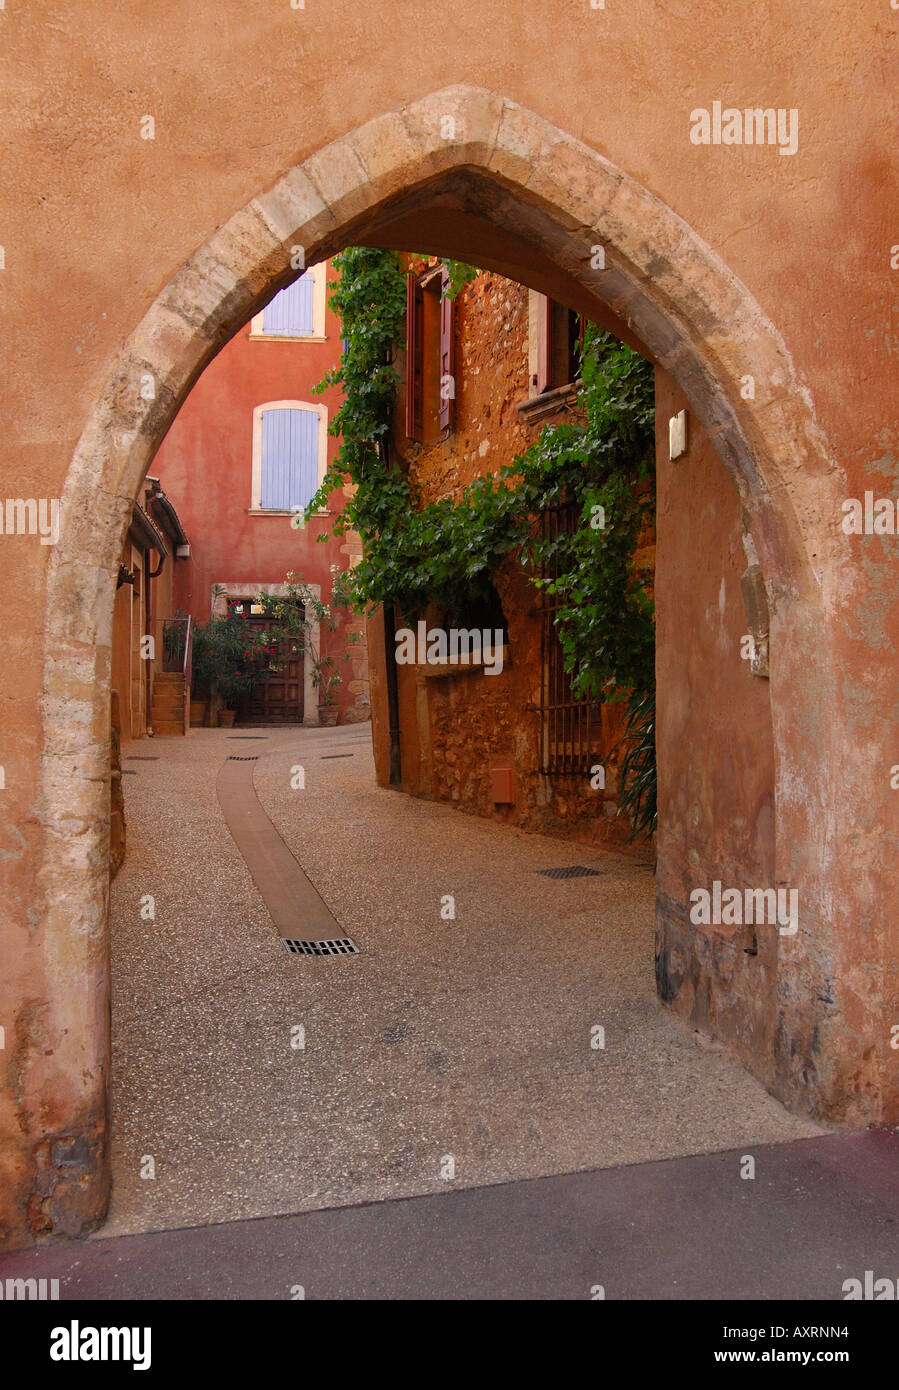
x=466 y=1039
x=818 y=1212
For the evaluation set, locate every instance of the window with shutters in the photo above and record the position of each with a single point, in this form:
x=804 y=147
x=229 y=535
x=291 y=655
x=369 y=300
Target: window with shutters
x=555 y=338
x=297 y=311
x=290 y=452
x=430 y=372
x=556 y=334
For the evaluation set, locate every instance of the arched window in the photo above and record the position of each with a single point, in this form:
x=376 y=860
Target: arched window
x=296 y=312
x=290 y=452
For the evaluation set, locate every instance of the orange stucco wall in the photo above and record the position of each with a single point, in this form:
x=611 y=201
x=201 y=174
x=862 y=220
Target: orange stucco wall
x=205 y=468
x=739 y=254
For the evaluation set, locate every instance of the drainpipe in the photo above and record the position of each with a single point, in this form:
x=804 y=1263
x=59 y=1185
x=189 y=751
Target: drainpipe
x=148 y=673
x=393 y=701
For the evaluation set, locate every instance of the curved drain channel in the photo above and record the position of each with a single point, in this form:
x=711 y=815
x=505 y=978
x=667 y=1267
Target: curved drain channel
x=293 y=903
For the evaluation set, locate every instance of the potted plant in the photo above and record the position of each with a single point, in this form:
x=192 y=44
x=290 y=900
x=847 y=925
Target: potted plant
x=296 y=615
x=227 y=663
x=326 y=685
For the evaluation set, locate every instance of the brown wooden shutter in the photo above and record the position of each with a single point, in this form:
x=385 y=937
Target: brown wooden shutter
x=544 y=343
x=414 y=359
x=447 y=318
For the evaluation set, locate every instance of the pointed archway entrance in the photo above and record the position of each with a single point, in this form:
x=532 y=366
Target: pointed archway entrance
x=462 y=165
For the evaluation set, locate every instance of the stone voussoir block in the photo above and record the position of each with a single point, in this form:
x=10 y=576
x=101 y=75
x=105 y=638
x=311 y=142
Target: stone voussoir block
x=248 y=246
x=577 y=182
x=80 y=614
x=296 y=212
x=388 y=153
x=170 y=346
x=205 y=292
x=522 y=140
x=645 y=228
x=454 y=127
x=665 y=337
x=84 y=515
x=342 y=180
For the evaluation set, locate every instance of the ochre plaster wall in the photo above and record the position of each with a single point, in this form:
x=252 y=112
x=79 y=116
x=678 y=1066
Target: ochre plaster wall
x=714 y=747
x=741 y=255
x=205 y=468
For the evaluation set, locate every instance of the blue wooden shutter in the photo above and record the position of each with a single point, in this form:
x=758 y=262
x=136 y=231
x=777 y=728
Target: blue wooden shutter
x=290 y=313
x=289 y=458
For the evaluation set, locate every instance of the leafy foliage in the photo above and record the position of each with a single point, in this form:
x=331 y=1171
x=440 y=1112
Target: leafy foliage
x=297 y=613
x=638 y=779
x=460 y=275
x=449 y=550
x=370 y=299
x=229 y=658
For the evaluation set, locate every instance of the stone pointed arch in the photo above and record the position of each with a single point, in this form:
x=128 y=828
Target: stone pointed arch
x=698 y=320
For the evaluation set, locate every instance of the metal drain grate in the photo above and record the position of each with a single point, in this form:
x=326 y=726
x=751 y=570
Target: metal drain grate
x=129 y=771
x=336 y=755
x=142 y=757
x=340 y=946
x=242 y=758
x=571 y=871
x=249 y=738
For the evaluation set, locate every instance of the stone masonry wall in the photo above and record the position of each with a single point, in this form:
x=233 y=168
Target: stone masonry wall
x=454 y=728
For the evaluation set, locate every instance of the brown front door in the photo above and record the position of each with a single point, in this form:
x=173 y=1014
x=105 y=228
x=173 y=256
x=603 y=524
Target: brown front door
x=278 y=697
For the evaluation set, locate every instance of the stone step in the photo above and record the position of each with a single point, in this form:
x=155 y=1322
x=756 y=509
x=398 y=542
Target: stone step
x=168 y=709
x=166 y=728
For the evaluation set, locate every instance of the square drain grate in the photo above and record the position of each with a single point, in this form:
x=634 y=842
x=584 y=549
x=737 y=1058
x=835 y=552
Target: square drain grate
x=340 y=946
x=242 y=758
x=571 y=871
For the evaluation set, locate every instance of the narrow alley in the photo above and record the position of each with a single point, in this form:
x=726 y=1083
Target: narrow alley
x=448 y=1053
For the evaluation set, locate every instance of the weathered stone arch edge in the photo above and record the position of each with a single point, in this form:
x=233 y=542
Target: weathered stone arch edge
x=692 y=312
x=661 y=277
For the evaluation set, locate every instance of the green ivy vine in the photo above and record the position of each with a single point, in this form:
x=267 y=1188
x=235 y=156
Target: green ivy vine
x=449 y=550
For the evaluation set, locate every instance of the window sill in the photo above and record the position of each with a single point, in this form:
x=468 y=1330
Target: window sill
x=547 y=403
x=433 y=669
x=287 y=338
x=269 y=511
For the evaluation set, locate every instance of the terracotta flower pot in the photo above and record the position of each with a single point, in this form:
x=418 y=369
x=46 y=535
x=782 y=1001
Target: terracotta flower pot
x=327 y=715
x=226 y=718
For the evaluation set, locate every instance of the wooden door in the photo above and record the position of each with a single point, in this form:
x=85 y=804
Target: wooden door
x=278 y=697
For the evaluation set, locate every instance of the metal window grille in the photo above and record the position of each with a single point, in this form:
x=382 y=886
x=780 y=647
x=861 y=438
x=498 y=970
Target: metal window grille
x=570 y=729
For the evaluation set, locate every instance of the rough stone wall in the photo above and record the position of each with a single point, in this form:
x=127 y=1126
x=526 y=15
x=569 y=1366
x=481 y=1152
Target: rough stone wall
x=454 y=728
x=491 y=371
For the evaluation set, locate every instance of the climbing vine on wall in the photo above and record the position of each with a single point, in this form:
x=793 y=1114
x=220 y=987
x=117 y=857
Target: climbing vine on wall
x=447 y=551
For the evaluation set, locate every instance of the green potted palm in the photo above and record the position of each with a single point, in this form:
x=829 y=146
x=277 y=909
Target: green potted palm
x=226 y=663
